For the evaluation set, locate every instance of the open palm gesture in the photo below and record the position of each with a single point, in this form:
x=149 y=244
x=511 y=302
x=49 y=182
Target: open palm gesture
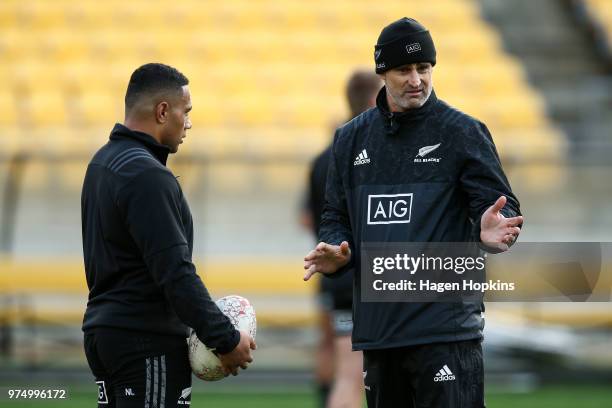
x=497 y=231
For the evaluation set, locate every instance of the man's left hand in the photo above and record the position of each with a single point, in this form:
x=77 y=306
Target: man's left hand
x=497 y=231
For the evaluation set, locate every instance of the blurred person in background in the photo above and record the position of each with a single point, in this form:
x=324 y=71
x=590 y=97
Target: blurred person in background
x=338 y=368
x=414 y=144
x=137 y=246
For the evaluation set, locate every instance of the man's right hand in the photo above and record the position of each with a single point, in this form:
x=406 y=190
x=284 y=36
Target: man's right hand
x=326 y=258
x=240 y=356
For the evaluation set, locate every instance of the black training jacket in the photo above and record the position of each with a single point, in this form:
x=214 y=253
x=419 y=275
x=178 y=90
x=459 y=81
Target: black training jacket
x=448 y=163
x=137 y=246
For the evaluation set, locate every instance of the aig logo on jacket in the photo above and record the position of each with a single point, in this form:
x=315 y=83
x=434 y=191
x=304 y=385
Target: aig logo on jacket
x=389 y=208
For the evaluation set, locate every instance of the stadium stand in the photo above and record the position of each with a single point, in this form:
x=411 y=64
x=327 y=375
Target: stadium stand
x=266 y=82
x=251 y=64
x=27 y=293
x=29 y=296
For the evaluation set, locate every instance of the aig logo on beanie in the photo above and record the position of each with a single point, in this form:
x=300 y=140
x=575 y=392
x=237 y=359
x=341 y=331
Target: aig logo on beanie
x=402 y=42
x=413 y=48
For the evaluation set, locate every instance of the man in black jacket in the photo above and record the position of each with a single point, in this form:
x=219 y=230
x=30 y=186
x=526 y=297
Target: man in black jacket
x=137 y=244
x=438 y=170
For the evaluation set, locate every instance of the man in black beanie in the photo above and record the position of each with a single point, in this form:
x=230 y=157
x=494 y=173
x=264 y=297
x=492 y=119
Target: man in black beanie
x=401 y=45
x=413 y=170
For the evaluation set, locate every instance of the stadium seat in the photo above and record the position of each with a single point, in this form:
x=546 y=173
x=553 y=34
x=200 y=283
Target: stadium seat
x=15 y=44
x=8 y=108
x=33 y=76
x=39 y=14
x=10 y=143
x=98 y=108
x=252 y=64
x=69 y=176
x=47 y=108
x=8 y=17
x=89 y=15
x=62 y=47
x=207 y=111
x=36 y=176
x=230 y=177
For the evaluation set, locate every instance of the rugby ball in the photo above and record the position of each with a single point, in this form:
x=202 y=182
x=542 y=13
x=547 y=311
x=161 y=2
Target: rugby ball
x=204 y=362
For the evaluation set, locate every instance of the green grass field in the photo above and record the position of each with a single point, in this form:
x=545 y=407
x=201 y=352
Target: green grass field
x=547 y=397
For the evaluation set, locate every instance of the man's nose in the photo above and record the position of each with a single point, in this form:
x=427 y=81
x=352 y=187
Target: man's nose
x=414 y=80
x=187 y=124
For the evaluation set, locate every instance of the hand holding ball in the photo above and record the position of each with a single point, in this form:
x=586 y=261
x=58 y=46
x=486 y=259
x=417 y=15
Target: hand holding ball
x=205 y=364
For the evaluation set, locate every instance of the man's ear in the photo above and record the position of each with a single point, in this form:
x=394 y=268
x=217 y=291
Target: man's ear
x=162 y=110
x=383 y=77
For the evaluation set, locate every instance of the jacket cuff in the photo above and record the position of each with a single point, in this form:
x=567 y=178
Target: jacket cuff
x=229 y=344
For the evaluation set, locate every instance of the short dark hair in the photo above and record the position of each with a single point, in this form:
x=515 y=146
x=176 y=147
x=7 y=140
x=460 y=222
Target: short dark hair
x=360 y=88
x=151 y=79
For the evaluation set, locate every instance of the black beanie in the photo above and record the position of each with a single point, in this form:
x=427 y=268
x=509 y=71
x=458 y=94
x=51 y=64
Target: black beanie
x=402 y=42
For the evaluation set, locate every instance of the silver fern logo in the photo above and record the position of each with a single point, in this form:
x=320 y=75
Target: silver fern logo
x=424 y=151
x=185 y=398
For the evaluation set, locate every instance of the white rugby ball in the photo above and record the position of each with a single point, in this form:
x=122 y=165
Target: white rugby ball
x=204 y=363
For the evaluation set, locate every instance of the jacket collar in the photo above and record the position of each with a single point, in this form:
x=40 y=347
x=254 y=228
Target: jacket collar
x=394 y=120
x=161 y=152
